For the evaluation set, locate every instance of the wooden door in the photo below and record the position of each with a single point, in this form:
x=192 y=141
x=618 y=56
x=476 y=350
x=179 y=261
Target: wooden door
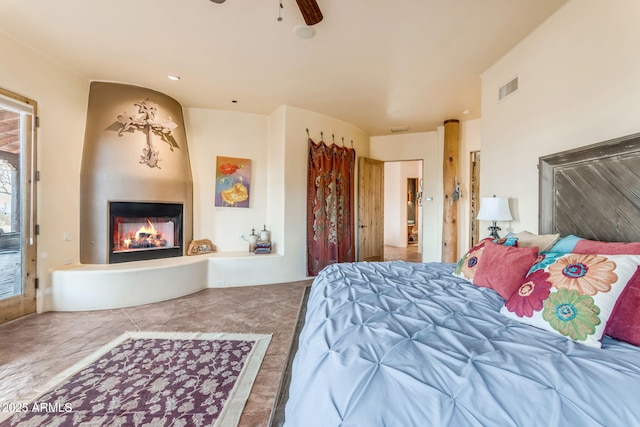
x=370 y=210
x=475 y=198
x=17 y=206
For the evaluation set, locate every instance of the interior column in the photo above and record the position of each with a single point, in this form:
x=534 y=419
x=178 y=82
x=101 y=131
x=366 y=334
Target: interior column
x=450 y=177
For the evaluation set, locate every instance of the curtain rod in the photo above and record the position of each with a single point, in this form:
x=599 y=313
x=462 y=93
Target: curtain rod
x=333 y=137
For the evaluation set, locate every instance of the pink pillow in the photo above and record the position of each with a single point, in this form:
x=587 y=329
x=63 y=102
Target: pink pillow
x=503 y=268
x=606 y=248
x=624 y=323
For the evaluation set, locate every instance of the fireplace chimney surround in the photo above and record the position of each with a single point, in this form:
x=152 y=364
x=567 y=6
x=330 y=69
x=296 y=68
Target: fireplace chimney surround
x=135 y=151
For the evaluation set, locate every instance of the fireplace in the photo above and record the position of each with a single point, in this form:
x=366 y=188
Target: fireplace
x=141 y=231
x=135 y=150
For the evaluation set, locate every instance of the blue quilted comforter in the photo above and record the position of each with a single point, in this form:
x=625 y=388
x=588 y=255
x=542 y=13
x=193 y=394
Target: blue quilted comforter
x=404 y=344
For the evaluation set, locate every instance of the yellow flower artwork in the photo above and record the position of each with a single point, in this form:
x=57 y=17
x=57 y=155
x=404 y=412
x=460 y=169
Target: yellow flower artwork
x=233 y=182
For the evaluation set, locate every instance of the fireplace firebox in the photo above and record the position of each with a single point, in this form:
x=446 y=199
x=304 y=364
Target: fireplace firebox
x=143 y=230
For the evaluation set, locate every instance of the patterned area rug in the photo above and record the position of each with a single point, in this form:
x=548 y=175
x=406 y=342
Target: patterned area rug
x=150 y=379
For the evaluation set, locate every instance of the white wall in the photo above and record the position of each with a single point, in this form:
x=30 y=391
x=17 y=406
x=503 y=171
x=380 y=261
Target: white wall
x=578 y=84
x=213 y=133
x=393 y=211
x=61 y=96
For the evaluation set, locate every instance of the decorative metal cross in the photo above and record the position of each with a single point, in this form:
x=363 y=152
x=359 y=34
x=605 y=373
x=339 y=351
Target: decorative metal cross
x=145 y=121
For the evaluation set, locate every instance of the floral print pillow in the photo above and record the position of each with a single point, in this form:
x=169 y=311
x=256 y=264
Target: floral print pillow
x=467 y=265
x=572 y=294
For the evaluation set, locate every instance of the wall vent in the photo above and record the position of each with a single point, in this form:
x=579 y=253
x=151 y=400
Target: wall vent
x=399 y=129
x=508 y=89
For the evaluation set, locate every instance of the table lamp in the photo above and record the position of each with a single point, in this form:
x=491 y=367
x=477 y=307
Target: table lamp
x=494 y=209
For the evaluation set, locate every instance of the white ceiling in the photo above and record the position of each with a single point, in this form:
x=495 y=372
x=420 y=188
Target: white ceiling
x=375 y=64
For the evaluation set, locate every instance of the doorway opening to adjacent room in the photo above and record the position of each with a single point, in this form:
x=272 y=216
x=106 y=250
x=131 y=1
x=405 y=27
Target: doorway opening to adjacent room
x=474 y=205
x=17 y=206
x=403 y=210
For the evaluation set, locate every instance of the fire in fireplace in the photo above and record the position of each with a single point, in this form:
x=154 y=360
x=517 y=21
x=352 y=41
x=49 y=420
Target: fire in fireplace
x=141 y=231
x=128 y=238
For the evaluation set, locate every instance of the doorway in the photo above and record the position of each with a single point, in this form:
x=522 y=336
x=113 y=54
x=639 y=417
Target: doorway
x=413 y=219
x=403 y=210
x=474 y=205
x=17 y=206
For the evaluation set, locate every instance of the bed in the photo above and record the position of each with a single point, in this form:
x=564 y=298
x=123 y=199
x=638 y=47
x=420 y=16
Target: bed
x=436 y=344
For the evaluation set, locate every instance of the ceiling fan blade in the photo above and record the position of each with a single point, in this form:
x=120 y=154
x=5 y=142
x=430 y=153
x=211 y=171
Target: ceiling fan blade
x=310 y=11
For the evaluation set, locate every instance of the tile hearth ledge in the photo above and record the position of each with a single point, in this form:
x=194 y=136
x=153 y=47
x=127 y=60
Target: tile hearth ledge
x=107 y=286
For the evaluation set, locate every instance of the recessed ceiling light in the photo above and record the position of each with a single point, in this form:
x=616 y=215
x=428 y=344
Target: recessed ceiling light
x=173 y=77
x=465 y=112
x=304 y=32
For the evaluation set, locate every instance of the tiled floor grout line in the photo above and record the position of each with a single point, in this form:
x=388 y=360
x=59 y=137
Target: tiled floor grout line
x=131 y=320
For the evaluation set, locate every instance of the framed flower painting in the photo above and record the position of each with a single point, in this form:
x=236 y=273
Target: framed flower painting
x=233 y=182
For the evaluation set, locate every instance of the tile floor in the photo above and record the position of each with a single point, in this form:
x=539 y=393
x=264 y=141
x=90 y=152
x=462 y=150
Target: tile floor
x=35 y=348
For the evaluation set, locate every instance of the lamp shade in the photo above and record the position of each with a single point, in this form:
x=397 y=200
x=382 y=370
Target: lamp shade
x=494 y=209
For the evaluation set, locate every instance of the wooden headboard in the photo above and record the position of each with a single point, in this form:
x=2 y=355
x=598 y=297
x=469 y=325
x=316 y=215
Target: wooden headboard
x=593 y=192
